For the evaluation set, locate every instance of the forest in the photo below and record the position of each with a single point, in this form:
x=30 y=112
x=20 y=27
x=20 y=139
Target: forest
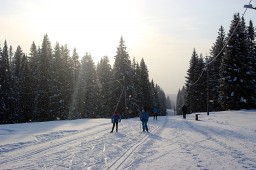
x=52 y=84
x=225 y=80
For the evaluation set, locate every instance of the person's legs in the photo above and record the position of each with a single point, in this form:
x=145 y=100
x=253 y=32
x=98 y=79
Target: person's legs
x=116 y=126
x=113 y=127
x=146 y=126
x=143 y=126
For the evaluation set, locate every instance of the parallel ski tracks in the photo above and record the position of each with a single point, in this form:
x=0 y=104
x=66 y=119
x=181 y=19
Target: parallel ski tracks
x=39 y=148
x=117 y=164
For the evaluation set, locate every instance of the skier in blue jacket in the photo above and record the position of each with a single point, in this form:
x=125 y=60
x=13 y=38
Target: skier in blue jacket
x=144 y=119
x=155 y=111
x=115 y=119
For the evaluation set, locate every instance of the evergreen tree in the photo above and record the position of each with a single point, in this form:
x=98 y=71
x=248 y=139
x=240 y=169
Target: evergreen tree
x=135 y=97
x=155 y=95
x=105 y=84
x=251 y=66
x=5 y=87
x=122 y=71
x=75 y=70
x=234 y=80
x=161 y=100
x=33 y=60
x=192 y=76
x=67 y=78
x=16 y=83
x=87 y=87
x=145 y=84
x=200 y=88
x=56 y=100
x=214 y=76
x=26 y=91
x=169 y=103
x=43 y=82
x=180 y=100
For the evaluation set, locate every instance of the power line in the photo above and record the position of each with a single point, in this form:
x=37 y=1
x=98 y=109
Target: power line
x=225 y=45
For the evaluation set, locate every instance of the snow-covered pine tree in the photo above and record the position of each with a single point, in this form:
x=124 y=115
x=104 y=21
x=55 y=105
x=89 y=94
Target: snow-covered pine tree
x=34 y=65
x=251 y=64
x=169 y=104
x=88 y=90
x=105 y=84
x=16 y=83
x=161 y=100
x=56 y=100
x=214 y=76
x=5 y=87
x=145 y=85
x=75 y=70
x=66 y=80
x=26 y=91
x=233 y=91
x=122 y=71
x=180 y=101
x=191 y=78
x=43 y=81
x=134 y=98
x=154 y=94
x=200 y=88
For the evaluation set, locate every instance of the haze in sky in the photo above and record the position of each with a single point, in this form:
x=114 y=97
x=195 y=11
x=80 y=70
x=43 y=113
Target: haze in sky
x=163 y=32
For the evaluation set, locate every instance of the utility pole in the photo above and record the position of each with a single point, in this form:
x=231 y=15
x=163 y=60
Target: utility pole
x=207 y=72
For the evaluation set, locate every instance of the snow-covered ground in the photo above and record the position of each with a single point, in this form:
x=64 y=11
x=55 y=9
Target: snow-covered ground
x=222 y=140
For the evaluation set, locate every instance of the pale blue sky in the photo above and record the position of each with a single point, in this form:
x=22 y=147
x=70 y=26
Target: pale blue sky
x=163 y=32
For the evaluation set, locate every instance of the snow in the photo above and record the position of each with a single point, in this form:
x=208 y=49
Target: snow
x=222 y=140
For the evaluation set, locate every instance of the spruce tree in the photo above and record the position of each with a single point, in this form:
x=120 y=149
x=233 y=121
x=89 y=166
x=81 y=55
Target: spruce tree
x=105 y=84
x=56 y=100
x=192 y=76
x=75 y=74
x=88 y=90
x=233 y=91
x=145 y=84
x=6 y=100
x=251 y=66
x=217 y=53
x=26 y=91
x=122 y=72
x=43 y=80
x=16 y=79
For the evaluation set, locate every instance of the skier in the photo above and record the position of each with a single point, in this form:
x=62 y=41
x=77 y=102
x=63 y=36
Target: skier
x=155 y=111
x=184 y=111
x=144 y=119
x=115 y=119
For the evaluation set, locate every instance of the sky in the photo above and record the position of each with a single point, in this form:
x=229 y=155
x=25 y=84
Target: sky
x=223 y=140
x=162 y=32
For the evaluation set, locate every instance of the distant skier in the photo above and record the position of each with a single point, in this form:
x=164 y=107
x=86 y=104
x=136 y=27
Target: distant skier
x=155 y=111
x=184 y=111
x=144 y=119
x=115 y=119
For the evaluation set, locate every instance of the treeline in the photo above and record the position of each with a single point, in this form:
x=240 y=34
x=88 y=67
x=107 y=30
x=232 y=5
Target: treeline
x=227 y=79
x=52 y=84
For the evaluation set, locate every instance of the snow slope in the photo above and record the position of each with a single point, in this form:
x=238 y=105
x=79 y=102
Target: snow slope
x=223 y=140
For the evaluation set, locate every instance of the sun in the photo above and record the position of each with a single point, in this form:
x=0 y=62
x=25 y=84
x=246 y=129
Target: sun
x=93 y=26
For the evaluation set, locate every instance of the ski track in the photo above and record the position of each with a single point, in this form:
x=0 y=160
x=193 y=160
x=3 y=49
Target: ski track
x=221 y=145
x=85 y=149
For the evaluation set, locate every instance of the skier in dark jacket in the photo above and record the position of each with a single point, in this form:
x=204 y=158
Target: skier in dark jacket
x=155 y=111
x=144 y=119
x=184 y=111
x=115 y=119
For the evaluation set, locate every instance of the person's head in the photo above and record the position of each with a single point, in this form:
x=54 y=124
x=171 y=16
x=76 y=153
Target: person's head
x=145 y=108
